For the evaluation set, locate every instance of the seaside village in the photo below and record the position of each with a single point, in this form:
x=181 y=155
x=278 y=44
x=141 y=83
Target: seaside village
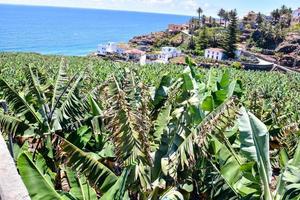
x=113 y=49
x=146 y=50
x=143 y=55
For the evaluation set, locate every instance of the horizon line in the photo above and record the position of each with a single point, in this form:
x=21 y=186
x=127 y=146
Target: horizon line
x=92 y=8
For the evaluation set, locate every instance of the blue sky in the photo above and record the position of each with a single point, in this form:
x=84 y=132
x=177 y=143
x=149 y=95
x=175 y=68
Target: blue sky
x=183 y=7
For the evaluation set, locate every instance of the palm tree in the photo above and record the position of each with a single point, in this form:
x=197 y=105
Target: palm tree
x=203 y=20
x=259 y=18
x=221 y=14
x=199 y=11
x=275 y=16
x=285 y=16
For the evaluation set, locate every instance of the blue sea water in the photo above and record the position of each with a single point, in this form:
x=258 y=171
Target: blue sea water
x=70 y=31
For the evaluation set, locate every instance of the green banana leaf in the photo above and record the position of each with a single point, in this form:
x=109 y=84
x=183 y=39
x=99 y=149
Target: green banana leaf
x=37 y=185
x=254 y=138
x=117 y=191
x=80 y=187
x=97 y=173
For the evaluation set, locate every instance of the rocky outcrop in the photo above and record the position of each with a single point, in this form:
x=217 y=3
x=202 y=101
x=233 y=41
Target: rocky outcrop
x=290 y=60
x=286 y=47
x=293 y=38
x=290 y=50
x=177 y=40
x=150 y=39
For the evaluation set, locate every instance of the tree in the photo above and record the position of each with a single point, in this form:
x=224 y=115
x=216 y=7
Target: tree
x=226 y=18
x=259 y=18
x=275 y=16
x=285 y=10
x=192 y=44
x=210 y=20
x=267 y=36
x=192 y=25
x=231 y=38
x=203 y=20
x=214 y=23
x=199 y=11
x=221 y=14
x=285 y=16
x=203 y=40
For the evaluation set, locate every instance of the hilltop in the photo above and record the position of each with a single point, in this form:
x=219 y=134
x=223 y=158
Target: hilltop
x=273 y=38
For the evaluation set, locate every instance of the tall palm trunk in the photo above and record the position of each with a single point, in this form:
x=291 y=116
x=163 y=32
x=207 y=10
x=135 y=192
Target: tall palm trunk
x=200 y=21
x=11 y=184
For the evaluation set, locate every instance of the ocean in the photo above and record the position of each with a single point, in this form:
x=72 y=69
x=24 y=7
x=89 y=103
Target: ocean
x=73 y=31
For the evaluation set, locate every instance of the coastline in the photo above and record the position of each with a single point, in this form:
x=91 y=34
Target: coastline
x=79 y=31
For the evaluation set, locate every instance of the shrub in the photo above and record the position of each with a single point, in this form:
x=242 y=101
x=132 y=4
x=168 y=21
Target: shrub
x=236 y=65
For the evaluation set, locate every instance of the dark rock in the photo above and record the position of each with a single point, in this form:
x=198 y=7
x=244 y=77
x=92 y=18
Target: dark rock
x=289 y=60
x=286 y=48
x=268 y=52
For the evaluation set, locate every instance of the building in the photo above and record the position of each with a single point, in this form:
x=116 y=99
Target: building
x=177 y=27
x=170 y=52
x=215 y=53
x=167 y=53
x=134 y=54
x=296 y=17
x=111 y=48
x=220 y=54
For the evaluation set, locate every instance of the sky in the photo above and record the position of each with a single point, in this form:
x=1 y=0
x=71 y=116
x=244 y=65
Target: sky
x=181 y=7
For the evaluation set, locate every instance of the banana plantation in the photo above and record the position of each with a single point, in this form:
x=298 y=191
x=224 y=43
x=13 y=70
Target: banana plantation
x=85 y=129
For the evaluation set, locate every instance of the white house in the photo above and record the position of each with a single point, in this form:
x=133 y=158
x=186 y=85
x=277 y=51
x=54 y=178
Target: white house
x=296 y=13
x=215 y=53
x=170 y=52
x=101 y=50
x=163 y=58
x=296 y=16
x=110 y=47
x=219 y=54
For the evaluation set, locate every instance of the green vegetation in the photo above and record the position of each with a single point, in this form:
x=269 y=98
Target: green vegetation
x=270 y=33
x=210 y=34
x=84 y=128
x=231 y=38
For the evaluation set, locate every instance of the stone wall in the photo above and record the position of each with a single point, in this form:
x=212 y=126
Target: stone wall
x=11 y=184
